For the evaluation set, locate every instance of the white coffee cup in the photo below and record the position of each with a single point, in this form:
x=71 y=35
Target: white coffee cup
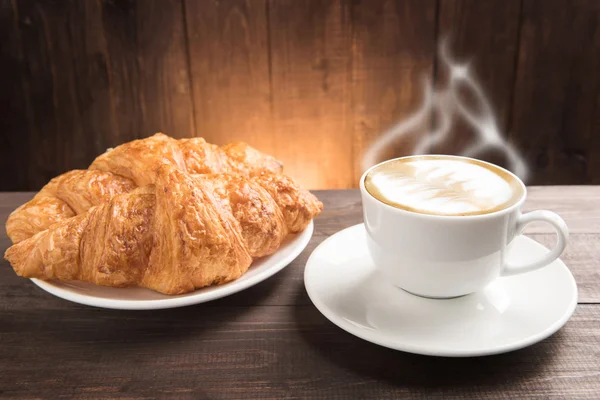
x=443 y=256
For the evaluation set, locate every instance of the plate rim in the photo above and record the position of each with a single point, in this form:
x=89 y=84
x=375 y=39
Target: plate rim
x=423 y=349
x=302 y=240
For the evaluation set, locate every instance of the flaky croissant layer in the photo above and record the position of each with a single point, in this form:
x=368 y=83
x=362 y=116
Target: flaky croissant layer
x=179 y=234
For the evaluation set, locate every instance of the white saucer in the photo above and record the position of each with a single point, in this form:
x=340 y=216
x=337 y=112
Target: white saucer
x=145 y=299
x=511 y=313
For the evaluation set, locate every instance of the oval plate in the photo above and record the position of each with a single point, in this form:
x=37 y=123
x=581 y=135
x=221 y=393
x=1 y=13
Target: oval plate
x=145 y=299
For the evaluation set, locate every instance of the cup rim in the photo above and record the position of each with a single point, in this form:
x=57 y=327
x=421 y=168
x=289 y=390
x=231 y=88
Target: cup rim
x=506 y=210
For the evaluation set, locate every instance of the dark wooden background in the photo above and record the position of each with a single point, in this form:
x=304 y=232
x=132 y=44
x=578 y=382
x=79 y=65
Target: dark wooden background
x=310 y=81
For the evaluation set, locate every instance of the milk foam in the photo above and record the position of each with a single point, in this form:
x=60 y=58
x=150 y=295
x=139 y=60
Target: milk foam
x=440 y=186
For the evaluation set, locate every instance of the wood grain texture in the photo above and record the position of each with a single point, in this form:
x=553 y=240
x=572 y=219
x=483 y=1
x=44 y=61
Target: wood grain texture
x=593 y=175
x=310 y=74
x=229 y=58
x=148 y=66
x=66 y=86
x=393 y=47
x=214 y=351
x=270 y=342
x=313 y=82
x=578 y=205
x=484 y=34
x=556 y=89
x=14 y=123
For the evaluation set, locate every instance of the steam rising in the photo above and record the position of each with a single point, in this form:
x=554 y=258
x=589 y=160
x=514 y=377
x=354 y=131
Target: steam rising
x=446 y=104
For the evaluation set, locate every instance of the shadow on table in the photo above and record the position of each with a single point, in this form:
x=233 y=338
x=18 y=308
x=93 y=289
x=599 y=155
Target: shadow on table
x=66 y=322
x=410 y=370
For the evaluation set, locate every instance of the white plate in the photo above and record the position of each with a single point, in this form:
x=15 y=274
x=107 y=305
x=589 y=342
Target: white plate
x=511 y=313
x=145 y=299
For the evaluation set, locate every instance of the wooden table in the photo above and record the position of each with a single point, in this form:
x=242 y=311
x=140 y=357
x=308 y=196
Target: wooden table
x=271 y=342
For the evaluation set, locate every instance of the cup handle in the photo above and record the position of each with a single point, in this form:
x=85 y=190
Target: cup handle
x=561 y=231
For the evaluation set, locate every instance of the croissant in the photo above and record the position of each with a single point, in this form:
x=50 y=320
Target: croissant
x=182 y=233
x=125 y=167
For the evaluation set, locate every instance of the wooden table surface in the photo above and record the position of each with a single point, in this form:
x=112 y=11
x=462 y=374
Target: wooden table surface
x=271 y=342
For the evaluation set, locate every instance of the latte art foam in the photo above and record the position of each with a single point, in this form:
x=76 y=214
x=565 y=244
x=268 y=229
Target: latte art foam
x=443 y=185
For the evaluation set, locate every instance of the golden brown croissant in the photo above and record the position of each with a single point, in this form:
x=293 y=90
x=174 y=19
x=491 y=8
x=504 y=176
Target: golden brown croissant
x=182 y=233
x=64 y=197
x=139 y=160
x=122 y=169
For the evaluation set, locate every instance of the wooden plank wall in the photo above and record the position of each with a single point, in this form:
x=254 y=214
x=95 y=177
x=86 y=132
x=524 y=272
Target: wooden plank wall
x=313 y=82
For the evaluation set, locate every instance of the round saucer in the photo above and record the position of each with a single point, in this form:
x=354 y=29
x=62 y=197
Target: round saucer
x=145 y=299
x=511 y=313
